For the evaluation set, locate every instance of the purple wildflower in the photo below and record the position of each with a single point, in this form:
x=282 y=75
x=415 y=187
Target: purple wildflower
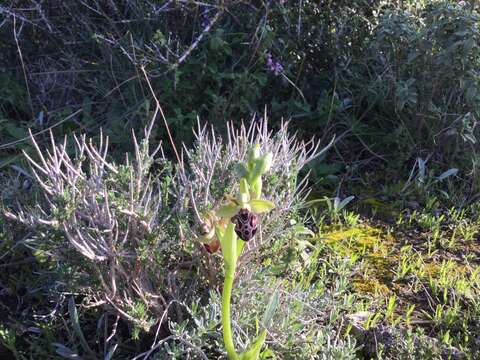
x=274 y=65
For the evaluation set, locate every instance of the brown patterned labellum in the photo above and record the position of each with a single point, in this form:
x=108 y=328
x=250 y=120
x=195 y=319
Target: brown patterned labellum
x=213 y=246
x=245 y=224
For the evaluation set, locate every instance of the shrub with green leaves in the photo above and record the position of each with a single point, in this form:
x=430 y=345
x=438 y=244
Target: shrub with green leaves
x=128 y=235
x=108 y=224
x=417 y=82
x=398 y=79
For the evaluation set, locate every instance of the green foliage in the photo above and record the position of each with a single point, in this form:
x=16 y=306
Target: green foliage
x=417 y=81
x=397 y=76
x=396 y=81
x=302 y=304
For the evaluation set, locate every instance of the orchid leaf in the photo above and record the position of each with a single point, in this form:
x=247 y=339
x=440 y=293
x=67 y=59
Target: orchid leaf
x=260 y=205
x=228 y=244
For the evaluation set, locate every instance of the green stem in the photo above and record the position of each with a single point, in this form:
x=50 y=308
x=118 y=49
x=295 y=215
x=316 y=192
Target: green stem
x=226 y=321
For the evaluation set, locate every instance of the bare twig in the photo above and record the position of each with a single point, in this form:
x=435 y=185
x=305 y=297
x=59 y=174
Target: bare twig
x=23 y=66
x=15 y=143
x=157 y=109
x=192 y=47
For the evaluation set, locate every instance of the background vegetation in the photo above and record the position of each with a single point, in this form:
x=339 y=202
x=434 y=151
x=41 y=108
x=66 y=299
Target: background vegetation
x=394 y=201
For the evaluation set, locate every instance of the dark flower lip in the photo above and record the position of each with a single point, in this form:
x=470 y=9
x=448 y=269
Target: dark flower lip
x=245 y=224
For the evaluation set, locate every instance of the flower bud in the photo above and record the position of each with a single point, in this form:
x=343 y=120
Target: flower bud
x=253 y=153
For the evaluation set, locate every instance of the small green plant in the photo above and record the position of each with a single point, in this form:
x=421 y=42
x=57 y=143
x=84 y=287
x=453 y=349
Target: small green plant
x=390 y=311
x=409 y=262
x=235 y=225
x=408 y=314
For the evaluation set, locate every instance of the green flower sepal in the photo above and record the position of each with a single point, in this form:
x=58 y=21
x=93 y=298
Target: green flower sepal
x=244 y=200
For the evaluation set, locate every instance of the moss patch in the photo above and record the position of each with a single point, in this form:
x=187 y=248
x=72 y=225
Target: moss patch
x=371 y=286
x=374 y=249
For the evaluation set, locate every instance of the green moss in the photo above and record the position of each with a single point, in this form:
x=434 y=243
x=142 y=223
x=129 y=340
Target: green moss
x=374 y=250
x=371 y=286
x=450 y=270
x=361 y=239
